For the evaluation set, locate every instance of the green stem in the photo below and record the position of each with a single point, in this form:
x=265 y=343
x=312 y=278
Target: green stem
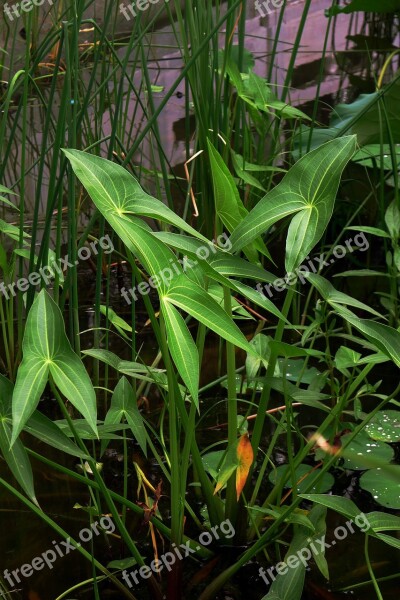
x=231 y=500
x=174 y=440
x=370 y=569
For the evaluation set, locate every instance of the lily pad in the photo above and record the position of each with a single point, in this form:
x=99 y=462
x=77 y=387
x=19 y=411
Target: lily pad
x=364 y=446
x=385 y=426
x=307 y=477
x=384 y=490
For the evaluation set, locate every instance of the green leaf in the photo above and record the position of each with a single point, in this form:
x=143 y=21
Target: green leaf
x=121 y=564
x=117 y=194
x=124 y=406
x=335 y=298
x=385 y=426
x=392 y=219
x=371 y=230
x=346 y=358
x=305 y=475
x=383 y=489
x=120 y=325
x=388 y=6
x=376 y=156
x=289 y=585
x=380 y=521
x=47 y=431
x=196 y=302
x=228 y=204
x=212 y=462
x=362 y=445
x=320 y=532
x=46 y=349
x=262 y=351
x=17 y=459
x=16 y=456
x=308 y=189
x=183 y=349
x=364 y=118
x=341 y=505
x=229 y=465
x=119 y=198
x=85 y=431
x=4 y=190
x=11 y=231
x=297 y=517
x=384 y=338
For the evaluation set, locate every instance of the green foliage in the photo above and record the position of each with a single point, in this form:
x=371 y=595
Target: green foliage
x=308 y=191
x=387 y=6
x=385 y=426
x=382 y=488
x=307 y=349
x=47 y=352
x=305 y=477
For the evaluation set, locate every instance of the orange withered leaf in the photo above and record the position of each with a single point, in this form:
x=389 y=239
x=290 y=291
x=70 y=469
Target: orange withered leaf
x=245 y=457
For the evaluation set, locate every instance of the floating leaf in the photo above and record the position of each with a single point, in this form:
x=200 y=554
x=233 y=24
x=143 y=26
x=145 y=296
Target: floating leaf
x=305 y=477
x=384 y=490
x=385 y=426
x=362 y=445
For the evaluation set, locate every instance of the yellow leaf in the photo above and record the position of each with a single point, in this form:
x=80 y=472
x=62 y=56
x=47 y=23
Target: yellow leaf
x=245 y=457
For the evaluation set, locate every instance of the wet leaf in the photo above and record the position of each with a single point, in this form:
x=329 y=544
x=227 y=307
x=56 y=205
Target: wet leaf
x=385 y=426
x=305 y=477
x=384 y=490
x=363 y=446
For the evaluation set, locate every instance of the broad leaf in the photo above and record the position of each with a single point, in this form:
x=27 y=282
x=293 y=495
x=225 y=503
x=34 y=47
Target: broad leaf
x=305 y=477
x=124 y=406
x=196 y=302
x=117 y=193
x=385 y=426
x=364 y=118
x=46 y=349
x=384 y=491
x=362 y=445
x=308 y=189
